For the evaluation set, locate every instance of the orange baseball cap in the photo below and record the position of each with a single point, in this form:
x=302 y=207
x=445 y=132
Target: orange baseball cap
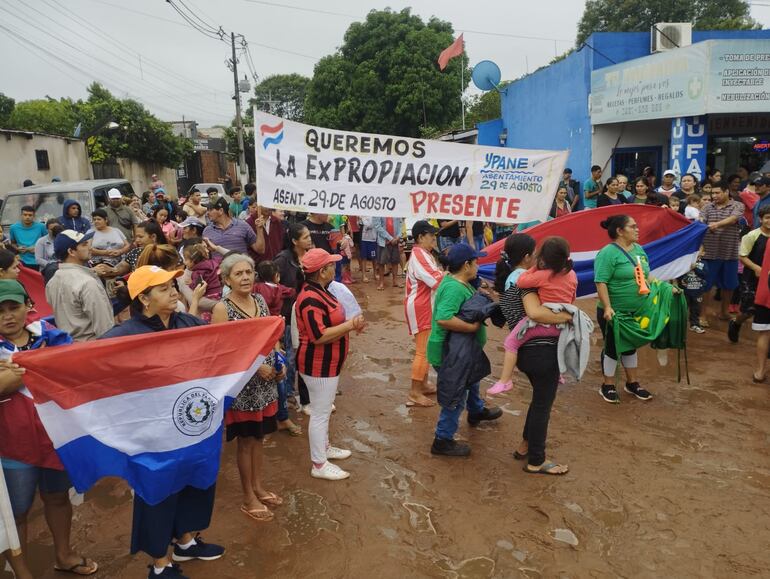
x=148 y=276
x=316 y=258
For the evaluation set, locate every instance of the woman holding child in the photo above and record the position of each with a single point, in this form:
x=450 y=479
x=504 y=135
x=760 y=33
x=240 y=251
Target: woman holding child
x=537 y=357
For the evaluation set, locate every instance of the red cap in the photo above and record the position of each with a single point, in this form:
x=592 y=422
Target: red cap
x=316 y=258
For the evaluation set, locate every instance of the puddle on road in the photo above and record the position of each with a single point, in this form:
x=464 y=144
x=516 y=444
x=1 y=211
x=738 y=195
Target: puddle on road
x=306 y=516
x=507 y=410
x=358 y=446
x=378 y=376
x=363 y=428
x=565 y=536
x=419 y=517
x=475 y=568
x=403 y=411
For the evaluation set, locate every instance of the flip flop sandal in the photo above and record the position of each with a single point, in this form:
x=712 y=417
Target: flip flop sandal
x=758 y=380
x=83 y=563
x=293 y=430
x=260 y=515
x=414 y=403
x=544 y=469
x=271 y=500
x=519 y=456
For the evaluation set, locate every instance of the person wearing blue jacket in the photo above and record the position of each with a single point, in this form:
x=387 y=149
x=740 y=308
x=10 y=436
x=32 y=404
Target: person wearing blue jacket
x=72 y=217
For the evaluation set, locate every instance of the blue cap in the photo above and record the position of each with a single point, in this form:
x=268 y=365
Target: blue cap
x=69 y=239
x=459 y=253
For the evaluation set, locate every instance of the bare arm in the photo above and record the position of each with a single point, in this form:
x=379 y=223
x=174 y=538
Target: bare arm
x=219 y=314
x=542 y=315
x=455 y=324
x=750 y=264
x=469 y=234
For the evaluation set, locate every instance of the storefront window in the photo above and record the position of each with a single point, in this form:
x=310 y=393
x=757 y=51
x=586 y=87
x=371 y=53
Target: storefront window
x=729 y=153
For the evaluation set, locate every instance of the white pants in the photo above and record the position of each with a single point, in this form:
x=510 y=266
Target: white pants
x=322 y=392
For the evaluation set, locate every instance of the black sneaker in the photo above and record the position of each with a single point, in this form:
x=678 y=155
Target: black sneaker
x=638 y=391
x=449 y=447
x=201 y=550
x=172 y=571
x=733 y=331
x=609 y=393
x=492 y=413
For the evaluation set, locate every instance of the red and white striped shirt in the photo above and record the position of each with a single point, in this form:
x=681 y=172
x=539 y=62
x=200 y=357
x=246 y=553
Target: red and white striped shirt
x=422 y=277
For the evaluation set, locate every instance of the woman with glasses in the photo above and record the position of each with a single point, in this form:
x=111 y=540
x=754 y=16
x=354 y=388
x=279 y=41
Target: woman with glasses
x=616 y=272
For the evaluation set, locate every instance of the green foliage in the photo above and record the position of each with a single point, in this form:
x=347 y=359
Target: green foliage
x=45 y=116
x=634 y=16
x=7 y=105
x=288 y=90
x=140 y=135
x=385 y=78
x=484 y=107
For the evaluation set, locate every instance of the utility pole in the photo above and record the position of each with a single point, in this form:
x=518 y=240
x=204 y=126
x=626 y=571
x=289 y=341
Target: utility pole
x=242 y=166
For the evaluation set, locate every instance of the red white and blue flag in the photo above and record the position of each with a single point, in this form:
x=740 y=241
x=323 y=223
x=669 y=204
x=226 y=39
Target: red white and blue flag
x=147 y=408
x=670 y=240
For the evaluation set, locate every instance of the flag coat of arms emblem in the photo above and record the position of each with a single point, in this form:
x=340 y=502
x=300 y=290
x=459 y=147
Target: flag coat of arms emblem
x=147 y=408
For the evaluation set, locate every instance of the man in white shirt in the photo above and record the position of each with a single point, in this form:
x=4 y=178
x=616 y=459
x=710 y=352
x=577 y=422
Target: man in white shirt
x=668 y=187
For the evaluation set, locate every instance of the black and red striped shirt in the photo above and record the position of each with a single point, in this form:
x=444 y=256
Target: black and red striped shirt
x=318 y=310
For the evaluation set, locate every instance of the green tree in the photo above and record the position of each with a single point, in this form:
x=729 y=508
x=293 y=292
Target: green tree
x=282 y=95
x=45 y=116
x=139 y=135
x=633 y=16
x=385 y=79
x=7 y=105
x=484 y=107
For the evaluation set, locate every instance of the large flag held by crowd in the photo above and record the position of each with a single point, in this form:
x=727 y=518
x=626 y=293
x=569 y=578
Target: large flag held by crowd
x=670 y=240
x=147 y=408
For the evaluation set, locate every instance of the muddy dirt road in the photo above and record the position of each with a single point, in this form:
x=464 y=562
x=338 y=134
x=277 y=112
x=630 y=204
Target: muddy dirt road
x=677 y=487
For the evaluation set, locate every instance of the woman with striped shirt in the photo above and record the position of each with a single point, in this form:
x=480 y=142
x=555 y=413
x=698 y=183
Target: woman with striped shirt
x=422 y=278
x=323 y=347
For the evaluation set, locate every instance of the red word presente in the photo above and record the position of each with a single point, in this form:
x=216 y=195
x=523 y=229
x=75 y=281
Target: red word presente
x=487 y=206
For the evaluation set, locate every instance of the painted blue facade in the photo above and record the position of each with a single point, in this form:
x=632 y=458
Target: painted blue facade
x=548 y=109
x=489 y=133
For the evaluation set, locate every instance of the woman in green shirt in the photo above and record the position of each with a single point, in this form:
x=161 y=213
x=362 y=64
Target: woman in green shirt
x=453 y=291
x=616 y=284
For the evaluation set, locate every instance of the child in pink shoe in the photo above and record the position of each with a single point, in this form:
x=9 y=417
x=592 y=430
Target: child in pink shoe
x=556 y=283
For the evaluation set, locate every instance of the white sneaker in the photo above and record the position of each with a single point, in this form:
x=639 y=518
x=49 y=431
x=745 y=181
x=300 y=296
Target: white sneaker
x=305 y=409
x=329 y=471
x=334 y=453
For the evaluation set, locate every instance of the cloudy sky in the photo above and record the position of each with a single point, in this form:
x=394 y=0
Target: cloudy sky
x=146 y=50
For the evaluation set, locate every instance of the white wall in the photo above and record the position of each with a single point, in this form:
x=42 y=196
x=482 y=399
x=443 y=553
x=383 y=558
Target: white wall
x=605 y=138
x=67 y=158
x=140 y=175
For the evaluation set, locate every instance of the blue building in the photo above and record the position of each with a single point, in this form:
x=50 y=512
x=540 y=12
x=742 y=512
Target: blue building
x=615 y=104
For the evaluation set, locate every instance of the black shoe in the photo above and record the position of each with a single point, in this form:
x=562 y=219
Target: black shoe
x=638 y=391
x=492 y=413
x=733 y=331
x=171 y=572
x=200 y=550
x=449 y=447
x=609 y=393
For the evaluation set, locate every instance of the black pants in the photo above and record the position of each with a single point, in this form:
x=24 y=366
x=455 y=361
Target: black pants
x=693 y=307
x=541 y=367
x=304 y=395
x=609 y=338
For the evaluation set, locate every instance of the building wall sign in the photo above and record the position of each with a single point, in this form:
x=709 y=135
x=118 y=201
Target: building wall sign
x=688 y=146
x=715 y=76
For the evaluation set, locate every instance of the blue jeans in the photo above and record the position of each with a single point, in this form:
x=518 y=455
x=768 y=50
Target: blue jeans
x=446 y=242
x=286 y=386
x=449 y=419
x=478 y=241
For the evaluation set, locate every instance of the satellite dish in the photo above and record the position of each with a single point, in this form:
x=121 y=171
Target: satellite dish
x=486 y=75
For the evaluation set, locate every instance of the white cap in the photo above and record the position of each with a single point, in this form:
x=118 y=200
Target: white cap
x=669 y=172
x=114 y=194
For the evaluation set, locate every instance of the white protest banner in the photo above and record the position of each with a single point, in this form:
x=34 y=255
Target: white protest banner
x=306 y=168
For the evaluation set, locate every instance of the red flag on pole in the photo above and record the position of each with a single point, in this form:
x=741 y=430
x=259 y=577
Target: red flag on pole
x=454 y=49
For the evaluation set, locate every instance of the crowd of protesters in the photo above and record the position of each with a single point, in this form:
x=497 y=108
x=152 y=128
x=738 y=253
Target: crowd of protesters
x=147 y=265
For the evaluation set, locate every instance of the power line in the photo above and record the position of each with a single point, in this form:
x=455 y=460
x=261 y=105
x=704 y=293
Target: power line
x=109 y=65
x=198 y=18
x=93 y=29
x=193 y=24
x=302 y=9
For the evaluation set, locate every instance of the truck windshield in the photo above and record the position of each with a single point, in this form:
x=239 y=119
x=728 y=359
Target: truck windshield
x=46 y=205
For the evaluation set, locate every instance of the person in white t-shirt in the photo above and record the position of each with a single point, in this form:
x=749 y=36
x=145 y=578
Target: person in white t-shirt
x=668 y=187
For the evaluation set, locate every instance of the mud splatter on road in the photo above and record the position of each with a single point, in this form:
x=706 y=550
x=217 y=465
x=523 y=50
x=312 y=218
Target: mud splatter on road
x=676 y=487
